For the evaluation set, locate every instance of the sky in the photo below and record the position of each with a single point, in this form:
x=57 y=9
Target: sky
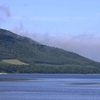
x=73 y=25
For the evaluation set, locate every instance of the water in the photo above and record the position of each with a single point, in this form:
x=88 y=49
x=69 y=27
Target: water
x=50 y=87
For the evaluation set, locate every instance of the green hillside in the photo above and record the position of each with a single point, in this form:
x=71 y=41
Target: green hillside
x=40 y=58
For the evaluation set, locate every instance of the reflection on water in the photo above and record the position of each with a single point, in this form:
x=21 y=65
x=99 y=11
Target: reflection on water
x=49 y=88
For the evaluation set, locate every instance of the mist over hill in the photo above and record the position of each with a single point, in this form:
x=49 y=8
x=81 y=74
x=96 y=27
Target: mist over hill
x=39 y=58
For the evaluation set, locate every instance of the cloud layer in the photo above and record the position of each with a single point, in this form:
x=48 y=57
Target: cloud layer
x=85 y=44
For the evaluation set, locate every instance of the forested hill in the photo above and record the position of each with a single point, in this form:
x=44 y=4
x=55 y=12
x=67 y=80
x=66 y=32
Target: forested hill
x=20 y=54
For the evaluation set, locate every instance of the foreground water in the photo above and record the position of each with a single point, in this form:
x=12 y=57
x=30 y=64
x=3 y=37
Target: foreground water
x=49 y=87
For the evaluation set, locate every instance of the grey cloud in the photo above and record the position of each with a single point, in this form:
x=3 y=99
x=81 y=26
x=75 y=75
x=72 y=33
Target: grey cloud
x=4 y=13
x=18 y=29
x=5 y=10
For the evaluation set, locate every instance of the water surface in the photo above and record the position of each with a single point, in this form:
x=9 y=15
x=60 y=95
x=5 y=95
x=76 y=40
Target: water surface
x=50 y=87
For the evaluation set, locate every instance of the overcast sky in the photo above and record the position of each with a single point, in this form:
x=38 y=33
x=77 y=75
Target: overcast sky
x=73 y=25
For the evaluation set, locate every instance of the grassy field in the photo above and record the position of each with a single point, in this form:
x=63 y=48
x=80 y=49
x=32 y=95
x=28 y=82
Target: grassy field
x=14 y=61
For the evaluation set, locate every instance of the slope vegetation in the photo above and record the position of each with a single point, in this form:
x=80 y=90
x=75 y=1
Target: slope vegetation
x=40 y=58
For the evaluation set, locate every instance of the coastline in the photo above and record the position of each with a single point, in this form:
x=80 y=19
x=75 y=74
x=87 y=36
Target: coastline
x=3 y=73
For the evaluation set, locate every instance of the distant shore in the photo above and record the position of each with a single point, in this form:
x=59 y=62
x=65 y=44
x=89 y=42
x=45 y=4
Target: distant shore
x=3 y=73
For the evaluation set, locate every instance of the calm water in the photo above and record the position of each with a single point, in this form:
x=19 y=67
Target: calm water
x=49 y=87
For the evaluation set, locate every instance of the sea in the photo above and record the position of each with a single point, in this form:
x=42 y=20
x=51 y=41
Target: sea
x=49 y=86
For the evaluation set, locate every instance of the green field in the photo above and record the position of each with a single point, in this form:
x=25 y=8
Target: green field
x=14 y=61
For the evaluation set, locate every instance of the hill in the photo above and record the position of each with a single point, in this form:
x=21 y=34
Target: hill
x=40 y=58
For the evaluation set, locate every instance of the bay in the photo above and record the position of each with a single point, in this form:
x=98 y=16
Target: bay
x=49 y=86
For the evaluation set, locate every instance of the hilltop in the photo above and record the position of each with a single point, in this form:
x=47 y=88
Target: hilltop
x=35 y=57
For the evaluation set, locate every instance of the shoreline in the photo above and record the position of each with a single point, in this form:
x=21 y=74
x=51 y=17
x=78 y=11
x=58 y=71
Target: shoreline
x=3 y=73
